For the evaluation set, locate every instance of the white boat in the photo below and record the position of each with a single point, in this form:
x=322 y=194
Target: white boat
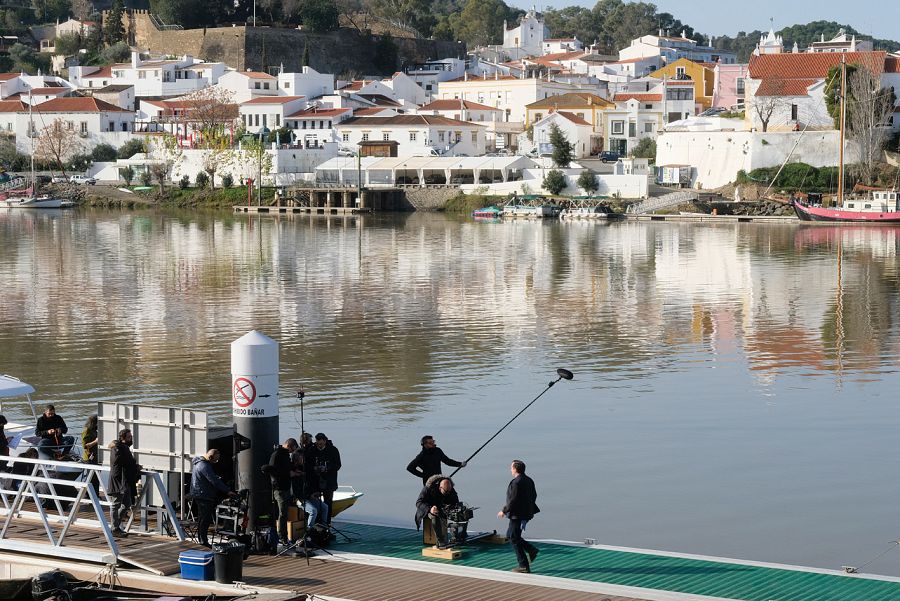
x=35 y=202
x=529 y=212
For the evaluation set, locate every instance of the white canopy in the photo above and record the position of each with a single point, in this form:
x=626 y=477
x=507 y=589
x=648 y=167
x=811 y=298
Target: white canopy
x=10 y=387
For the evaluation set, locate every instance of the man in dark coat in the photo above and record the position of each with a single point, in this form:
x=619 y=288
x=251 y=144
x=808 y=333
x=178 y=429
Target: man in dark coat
x=428 y=462
x=52 y=430
x=436 y=497
x=124 y=473
x=322 y=462
x=520 y=507
x=281 y=469
x=207 y=488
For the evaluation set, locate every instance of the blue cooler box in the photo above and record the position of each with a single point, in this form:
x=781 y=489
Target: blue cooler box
x=197 y=565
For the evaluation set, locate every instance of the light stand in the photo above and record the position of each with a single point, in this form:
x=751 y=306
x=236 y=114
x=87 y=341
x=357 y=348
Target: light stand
x=300 y=395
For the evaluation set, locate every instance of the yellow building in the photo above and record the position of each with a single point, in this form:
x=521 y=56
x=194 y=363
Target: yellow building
x=702 y=74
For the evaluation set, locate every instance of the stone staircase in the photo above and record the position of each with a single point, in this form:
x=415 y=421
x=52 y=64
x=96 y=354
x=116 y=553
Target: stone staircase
x=672 y=199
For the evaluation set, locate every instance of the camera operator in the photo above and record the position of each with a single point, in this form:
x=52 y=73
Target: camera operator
x=322 y=462
x=206 y=490
x=280 y=470
x=310 y=500
x=436 y=498
x=428 y=462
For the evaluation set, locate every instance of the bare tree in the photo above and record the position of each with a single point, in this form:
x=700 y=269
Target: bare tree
x=765 y=105
x=868 y=106
x=58 y=142
x=82 y=9
x=211 y=109
x=355 y=13
x=167 y=154
x=218 y=154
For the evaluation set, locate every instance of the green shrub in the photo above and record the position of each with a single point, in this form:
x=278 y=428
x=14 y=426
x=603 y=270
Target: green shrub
x=127 y=174
x=587 y=181
x=227 y=180
x=202 y=179
x=554 y=182
x=146 y=178
x=645 y=149
x=104 y=153
x=184 y=182
x=130 y=148
x=80 y=162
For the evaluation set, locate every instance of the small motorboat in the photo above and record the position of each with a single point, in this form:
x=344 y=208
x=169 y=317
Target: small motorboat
x=35 y=202
x=491 y=212
x=344 y=498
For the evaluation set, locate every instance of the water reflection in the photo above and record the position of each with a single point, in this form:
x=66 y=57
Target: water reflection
x=680 y=334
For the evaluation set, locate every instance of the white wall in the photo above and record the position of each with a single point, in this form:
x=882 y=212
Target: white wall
x=623 y=186
x=718 y=156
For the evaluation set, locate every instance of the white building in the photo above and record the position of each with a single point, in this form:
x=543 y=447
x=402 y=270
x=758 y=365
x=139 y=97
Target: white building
x=269 y=112
x=314 y=127
x=406 y=89
x=244 y=85
x=429 y=74
x=416 y=135
x=309 y=83
x=462 y=110
x=670 y=49
x=841 y=43
x=509 y=94
x=558 y=45
x=641 y=115
x=528 y=38
x=121 y=96
x=576 y=130
x=90 y=120
x=151 y=78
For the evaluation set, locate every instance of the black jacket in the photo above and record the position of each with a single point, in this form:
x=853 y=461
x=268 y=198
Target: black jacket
x=321 y=466
x=280 y=466
x=521 y=498
x=45 y=423
x=431 y=496
x=124 y=471
x=428 y=463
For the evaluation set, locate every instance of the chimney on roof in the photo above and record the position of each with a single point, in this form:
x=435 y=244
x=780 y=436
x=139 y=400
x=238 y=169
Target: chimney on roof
x=135 y=59
x=683 y=33
x=660 y=32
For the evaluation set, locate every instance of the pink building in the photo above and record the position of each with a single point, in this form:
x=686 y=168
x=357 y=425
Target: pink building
x=729 y=84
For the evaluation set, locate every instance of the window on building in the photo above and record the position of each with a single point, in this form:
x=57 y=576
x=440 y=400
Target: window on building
x=365 y=136
x=649 y=107
x=474 y=137
x=459 y=136
x=265 y=121
x=538 y=117
x=142 y=75
x=84 y=127
x=440 y=136
x=70 y=125
x=679 y=73
x=648 y=128
x=287 y=85
x=412 y=136
x=618 y=128
x=632 y=130
x=345 y=136
x=794 y=112
x=257 y=86
x=740 y=85
x=386 y=136
x=112 y=126
x=266 y=86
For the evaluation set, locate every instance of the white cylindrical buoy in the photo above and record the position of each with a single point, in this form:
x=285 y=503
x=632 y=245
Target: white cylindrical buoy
x=254 y=409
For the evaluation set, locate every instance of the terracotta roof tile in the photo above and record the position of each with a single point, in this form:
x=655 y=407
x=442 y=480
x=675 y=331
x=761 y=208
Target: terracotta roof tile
x=561 y=56
x=369 y=112
x=473 y=79
x=639 y=97
x=78 y=104
x=633 y=60
x=257 y=75
x=573 y=118
x=784 y=87
x=456 y=105
x=811 y=65
x=407 y=120
x=8 y=76
x=892 y=64
x=52 y=90
x=101 y=72
x=572 y=100
x=318 y=113
x=12 y=106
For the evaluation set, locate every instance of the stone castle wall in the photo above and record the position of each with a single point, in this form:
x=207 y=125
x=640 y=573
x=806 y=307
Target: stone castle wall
x=342 y=52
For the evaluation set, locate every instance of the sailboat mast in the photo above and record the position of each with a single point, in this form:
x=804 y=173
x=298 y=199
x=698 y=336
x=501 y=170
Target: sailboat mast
x=840 y=197
x=31 y=133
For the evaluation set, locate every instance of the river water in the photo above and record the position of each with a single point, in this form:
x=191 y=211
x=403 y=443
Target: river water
x=735 y=390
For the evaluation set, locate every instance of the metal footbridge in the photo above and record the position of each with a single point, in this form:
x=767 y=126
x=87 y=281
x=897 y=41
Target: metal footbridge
x=672 y=199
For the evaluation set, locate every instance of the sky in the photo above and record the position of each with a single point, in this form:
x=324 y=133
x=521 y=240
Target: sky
x=727 y=17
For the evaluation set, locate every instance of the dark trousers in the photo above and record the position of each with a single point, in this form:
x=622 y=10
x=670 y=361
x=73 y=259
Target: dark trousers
x=50 y=447
x=283 y=501
x=121 y=505
x=439 y=527
x=328 y=499
x=206 y=510
x=519 y=544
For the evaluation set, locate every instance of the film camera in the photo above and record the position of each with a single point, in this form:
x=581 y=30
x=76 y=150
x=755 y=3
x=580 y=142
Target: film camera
x=458 y=517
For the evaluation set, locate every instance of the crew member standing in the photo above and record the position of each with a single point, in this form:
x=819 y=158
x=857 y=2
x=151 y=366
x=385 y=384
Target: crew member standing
x=322 y=462
x=281 y=469
x=206 y=490
x=124 y=473
x=428 y=462
x=520 y=507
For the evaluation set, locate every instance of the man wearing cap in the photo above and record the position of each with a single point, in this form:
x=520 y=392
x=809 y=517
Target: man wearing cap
x=322 y=462
x=428 y=462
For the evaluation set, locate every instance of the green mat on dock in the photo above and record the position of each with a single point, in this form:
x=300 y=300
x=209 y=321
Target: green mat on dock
x=645 y=570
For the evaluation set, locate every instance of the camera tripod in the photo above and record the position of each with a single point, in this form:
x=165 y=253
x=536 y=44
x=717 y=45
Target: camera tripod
x=306 y=545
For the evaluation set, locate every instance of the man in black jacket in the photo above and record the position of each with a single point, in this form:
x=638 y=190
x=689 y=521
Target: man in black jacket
x=436 y=497
x=428 y=462
x=52 y=429
x=520 y=507
x=322 y=462
x=124 y=473
x=280 y=470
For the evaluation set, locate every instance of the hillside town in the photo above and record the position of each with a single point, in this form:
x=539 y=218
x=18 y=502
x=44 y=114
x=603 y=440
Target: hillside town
x=666 y=110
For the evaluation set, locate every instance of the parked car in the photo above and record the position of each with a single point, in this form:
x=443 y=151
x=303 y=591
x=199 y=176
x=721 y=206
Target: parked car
x=608 y=156
x=346 y=152
x=59 y=179
x=82 y=179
